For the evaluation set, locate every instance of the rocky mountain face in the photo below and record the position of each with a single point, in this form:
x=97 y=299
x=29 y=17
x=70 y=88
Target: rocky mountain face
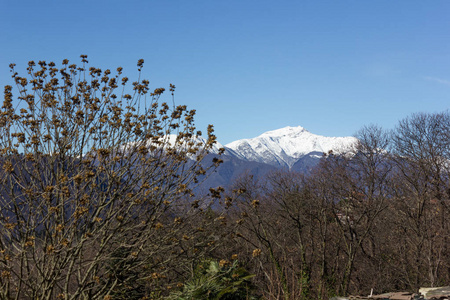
x=291 y=148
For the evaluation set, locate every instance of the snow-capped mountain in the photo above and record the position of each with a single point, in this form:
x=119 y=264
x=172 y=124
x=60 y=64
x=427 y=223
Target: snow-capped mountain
x=286 y=146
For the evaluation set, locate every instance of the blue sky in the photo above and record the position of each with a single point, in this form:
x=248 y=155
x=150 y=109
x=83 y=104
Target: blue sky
x=252 y=66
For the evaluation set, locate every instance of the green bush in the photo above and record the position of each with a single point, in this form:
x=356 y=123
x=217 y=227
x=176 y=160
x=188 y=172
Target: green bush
x=217 y=280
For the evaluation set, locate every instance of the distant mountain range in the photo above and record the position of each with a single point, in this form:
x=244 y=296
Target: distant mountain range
x=292 y=148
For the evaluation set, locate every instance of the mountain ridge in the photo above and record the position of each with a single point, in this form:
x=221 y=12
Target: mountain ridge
x=284 y=147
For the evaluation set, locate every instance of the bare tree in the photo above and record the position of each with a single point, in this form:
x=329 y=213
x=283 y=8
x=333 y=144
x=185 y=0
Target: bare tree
x=421 y=146
x=90 y=169
x=354 y=189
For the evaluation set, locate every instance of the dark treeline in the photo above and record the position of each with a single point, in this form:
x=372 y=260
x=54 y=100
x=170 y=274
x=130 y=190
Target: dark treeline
x=375 y=218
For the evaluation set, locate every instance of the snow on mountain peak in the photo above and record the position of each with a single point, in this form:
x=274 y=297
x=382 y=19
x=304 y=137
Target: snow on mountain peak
x=285 y=131
x=283 y=147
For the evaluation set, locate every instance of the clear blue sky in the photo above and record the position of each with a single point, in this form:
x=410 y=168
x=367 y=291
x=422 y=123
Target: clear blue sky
x=252 y=66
